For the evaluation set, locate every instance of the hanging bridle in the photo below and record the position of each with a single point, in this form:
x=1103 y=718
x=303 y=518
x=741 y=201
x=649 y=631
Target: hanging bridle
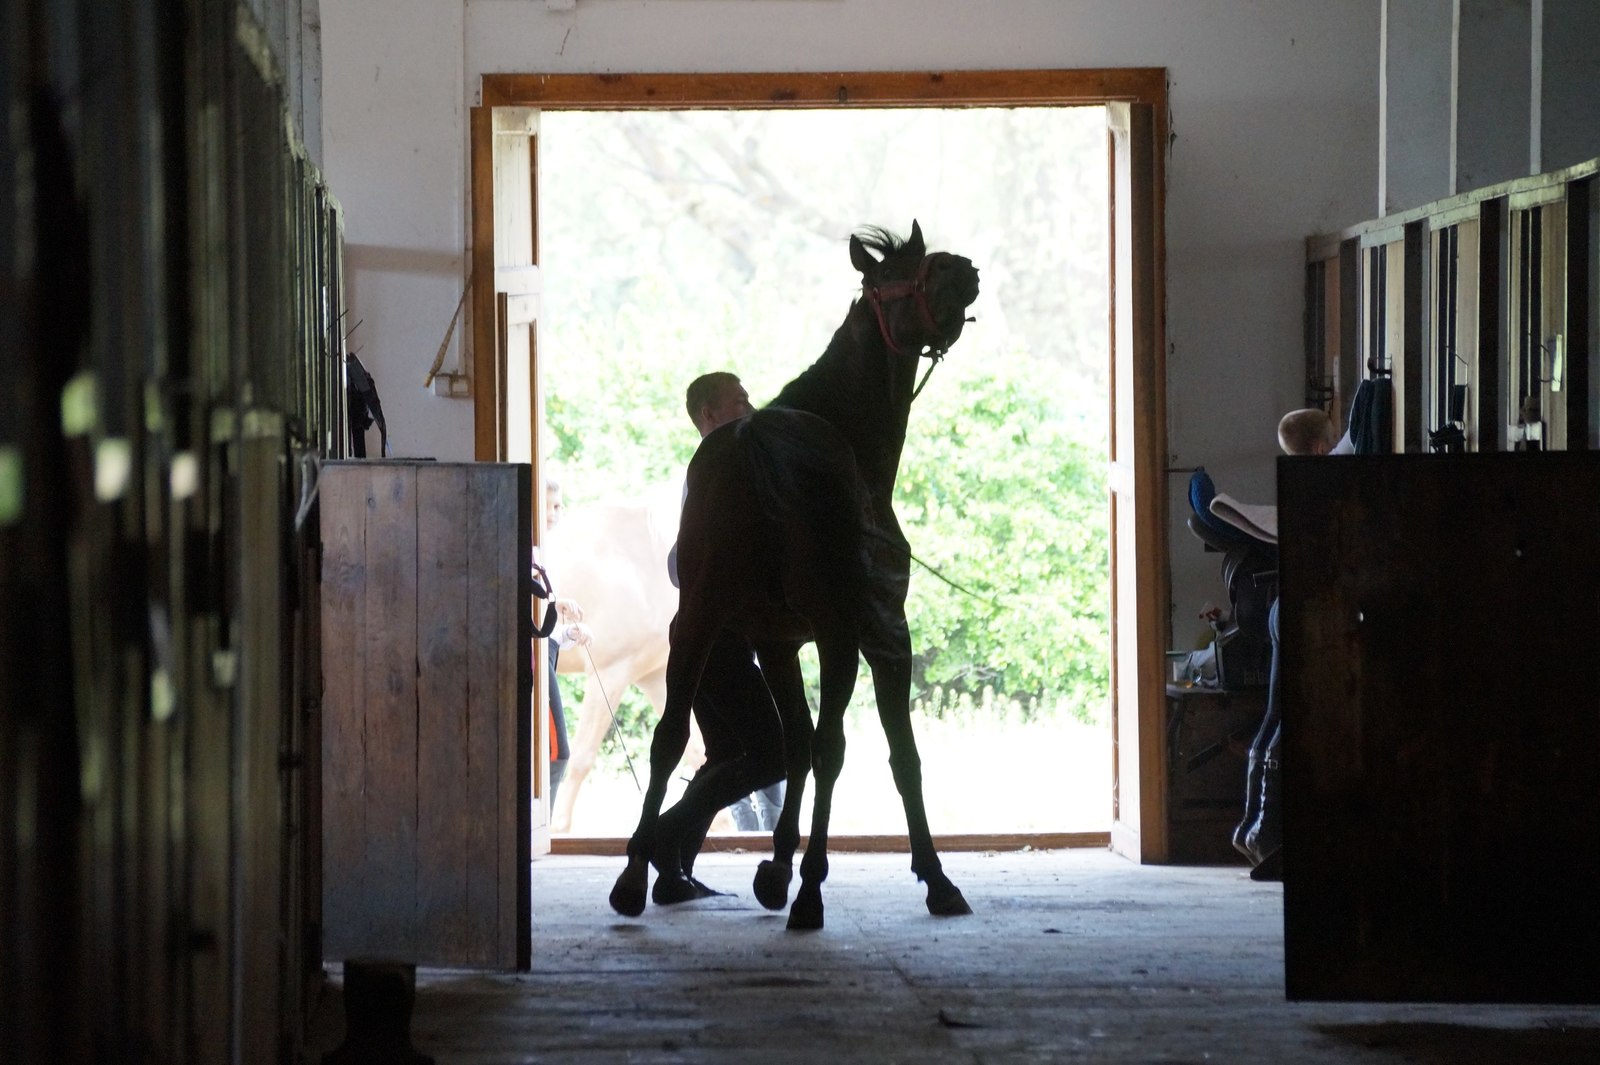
x=878 y=295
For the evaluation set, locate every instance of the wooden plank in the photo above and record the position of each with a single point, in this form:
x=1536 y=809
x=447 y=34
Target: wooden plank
x=489 y=750
x=1350 y=294
x=446 y=819
x=1442 y=727
x=499 y=651
x=390 y=710
x=262 y=703
x=993 y=88
x=343 y=503
x=485 y=386
x=1413 y=384
x=1491 y=424
x=519 y=714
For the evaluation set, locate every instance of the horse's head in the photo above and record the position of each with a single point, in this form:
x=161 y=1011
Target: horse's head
x=920 y=299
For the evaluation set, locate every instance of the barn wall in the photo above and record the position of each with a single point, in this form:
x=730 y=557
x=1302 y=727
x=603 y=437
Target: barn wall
x=1476 y=92
x=1274 y=120
x=168 y=302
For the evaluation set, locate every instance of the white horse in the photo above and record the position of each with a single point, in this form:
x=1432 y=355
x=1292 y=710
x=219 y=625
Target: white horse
x=611 y=559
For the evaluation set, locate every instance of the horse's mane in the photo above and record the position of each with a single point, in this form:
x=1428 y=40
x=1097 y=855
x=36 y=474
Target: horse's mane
x=880 y=240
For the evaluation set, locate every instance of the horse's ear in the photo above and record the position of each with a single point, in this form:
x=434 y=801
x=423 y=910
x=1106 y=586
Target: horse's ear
x=915 y=243
x=860 y=257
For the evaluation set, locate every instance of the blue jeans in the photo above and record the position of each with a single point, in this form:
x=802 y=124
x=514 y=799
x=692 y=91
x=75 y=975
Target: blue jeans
x=758 y=811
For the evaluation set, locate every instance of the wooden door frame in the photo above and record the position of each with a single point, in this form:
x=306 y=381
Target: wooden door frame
x=944 y=89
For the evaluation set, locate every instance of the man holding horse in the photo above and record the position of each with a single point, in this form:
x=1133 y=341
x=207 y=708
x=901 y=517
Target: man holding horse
x=738 y=719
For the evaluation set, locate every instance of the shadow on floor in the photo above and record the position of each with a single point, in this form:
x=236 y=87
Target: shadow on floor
x=1432 y=1043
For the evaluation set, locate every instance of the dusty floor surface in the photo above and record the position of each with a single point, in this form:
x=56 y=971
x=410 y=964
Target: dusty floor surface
x=1070 y=956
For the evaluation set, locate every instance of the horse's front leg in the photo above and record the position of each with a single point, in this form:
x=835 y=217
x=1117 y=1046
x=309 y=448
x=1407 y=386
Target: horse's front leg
x=838 y=661
x=891 y=679
x=781 y=667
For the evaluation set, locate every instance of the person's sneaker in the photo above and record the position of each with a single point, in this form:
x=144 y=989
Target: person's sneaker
x=674 y=888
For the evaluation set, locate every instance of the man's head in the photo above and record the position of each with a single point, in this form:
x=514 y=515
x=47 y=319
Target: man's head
x=553 y=505
x=1308 y=431
x=714 y=399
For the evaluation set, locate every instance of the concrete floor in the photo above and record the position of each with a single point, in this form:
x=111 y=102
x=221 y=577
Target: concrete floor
x=1070 y=956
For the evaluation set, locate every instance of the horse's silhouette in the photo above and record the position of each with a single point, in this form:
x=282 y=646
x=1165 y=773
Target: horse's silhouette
x=788 y=535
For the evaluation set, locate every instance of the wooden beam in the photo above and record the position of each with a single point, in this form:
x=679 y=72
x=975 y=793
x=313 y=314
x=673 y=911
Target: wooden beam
x=1492 y=352
x=1412 y=355
x=733 y=842
x=485 y=339
x=993 y=88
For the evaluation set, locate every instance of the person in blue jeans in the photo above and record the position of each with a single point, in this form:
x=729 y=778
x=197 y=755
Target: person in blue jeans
x=1259 y=835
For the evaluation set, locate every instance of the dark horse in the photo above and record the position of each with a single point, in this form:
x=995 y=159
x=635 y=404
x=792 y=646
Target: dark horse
x=788 y=535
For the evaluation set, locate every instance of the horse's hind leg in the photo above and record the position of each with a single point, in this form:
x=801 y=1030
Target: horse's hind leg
x=838 y=661
x=891 y=679
x=781 y=667
x=666 y=748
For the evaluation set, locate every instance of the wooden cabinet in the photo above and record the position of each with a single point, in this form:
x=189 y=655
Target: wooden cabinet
x=426 y=739
x=1208 y=735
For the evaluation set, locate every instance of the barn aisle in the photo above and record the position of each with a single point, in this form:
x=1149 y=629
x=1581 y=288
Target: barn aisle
x=1070 y=956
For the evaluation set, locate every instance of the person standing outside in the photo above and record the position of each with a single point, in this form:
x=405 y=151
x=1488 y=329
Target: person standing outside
x=568 y=630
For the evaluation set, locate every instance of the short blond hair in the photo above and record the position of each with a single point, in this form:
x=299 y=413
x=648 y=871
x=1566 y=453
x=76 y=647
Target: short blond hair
x=1308 y=431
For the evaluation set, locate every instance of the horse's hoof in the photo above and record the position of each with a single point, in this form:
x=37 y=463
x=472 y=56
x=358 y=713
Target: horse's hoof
x=627 y=894
x=772 y=884
x=676 y=888
x=806 y=913
x=948 y=902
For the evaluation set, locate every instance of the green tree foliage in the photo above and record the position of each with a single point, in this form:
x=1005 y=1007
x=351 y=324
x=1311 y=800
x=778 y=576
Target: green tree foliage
x=1002 y=489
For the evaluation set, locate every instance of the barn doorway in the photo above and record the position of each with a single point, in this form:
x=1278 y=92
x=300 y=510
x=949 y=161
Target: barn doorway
x=971 y=703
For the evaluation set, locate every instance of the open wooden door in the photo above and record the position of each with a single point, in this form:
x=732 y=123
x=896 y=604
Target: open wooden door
x=508 y=407
x=1139 y=576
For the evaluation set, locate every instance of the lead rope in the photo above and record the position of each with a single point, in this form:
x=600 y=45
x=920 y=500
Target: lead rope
x=615 y=728
x=933 y=360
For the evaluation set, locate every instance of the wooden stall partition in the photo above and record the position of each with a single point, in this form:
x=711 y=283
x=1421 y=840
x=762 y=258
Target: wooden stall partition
x=426 y=752
x=1441 y=726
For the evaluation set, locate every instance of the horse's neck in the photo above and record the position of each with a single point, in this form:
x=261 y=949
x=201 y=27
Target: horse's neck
x=864 y=392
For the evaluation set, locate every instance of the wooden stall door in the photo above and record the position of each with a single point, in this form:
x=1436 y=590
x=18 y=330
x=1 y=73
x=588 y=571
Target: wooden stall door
x=426 y=665
x=1441 y=726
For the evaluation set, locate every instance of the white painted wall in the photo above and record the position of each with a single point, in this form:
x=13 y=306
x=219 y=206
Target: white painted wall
x=1568 y=66
x=394 y=147
x=1493 y=92
x=1416 y=103
x=1274 y=123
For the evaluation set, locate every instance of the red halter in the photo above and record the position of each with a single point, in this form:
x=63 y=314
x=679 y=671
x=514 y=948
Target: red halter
x=877 y=295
